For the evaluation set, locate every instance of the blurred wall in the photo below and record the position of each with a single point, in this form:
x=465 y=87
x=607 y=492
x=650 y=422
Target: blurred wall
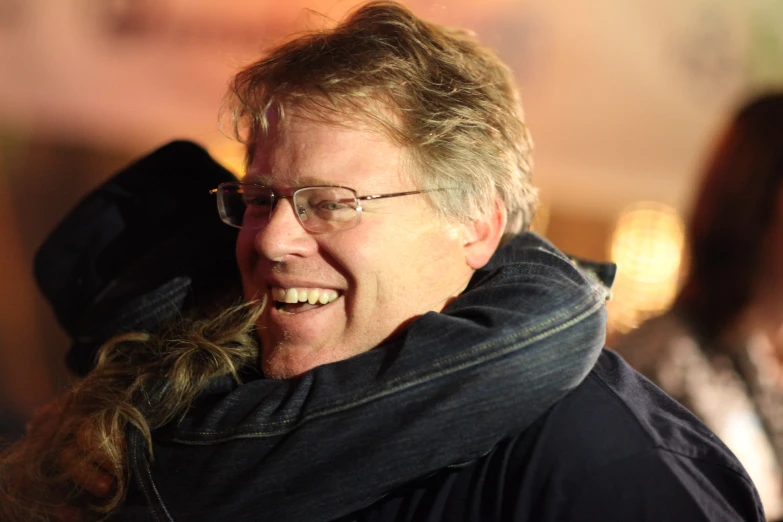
x=40 y=181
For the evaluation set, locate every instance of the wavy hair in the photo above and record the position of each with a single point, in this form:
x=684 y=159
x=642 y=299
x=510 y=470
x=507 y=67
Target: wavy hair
x=733 y=211
x=141 y=380
x=450 y=102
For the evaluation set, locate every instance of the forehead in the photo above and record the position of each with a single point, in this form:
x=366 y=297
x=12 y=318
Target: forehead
x=302 y=149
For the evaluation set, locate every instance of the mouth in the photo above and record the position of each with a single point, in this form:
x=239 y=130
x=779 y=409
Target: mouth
x=289 y=301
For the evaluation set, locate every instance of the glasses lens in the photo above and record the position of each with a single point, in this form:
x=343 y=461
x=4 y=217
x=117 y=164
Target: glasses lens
x=244 y=205
x=324 y=209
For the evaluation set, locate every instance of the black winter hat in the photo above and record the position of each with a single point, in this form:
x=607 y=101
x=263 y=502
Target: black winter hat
x=140 y=249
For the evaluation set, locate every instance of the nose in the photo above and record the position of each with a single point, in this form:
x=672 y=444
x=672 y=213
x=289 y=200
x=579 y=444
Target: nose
x=284 y=235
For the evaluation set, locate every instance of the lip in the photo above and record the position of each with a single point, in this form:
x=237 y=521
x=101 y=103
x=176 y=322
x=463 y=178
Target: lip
x=271 y=282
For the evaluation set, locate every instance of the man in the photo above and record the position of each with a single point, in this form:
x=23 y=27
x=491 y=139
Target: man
x=357 y=224
x=388 y=159
x=481 y=357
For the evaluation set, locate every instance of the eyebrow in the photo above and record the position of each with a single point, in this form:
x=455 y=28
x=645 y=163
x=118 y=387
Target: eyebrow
x=306 y=181
x=256 y=179
x=314 y=182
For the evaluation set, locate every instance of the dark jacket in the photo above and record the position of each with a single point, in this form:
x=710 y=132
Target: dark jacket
x=524 y=333
x=616 y=449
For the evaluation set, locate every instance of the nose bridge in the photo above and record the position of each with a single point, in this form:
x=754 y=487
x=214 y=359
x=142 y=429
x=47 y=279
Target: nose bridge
x=276 y=199
x=283 y=234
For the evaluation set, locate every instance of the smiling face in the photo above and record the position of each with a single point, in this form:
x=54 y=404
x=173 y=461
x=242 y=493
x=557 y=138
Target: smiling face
x=400 y=262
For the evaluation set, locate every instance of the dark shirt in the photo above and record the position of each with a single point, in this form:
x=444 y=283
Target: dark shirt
x=614 y=449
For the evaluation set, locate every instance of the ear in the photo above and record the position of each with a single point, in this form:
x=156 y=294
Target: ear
x=480 y=238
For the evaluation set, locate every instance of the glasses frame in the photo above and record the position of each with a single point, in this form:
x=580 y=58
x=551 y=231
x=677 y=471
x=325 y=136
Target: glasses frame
x=277 y=197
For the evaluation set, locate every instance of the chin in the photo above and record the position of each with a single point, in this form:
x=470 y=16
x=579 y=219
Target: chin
x=278 y=366
x=281 y=372
x=287 y=361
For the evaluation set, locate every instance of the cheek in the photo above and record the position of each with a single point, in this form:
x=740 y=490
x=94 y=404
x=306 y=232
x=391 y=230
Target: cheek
x=366 y=261
x=388 y=266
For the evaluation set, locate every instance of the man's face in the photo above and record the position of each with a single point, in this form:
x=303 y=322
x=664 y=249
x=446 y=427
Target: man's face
x=398 y=263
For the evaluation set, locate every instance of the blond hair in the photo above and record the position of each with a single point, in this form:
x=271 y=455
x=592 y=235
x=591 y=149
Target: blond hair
x=436 y=91
x=141 y=380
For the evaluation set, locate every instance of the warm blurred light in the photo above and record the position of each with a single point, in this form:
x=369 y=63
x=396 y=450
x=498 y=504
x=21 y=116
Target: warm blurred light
x=230 y=154
x=647 y=247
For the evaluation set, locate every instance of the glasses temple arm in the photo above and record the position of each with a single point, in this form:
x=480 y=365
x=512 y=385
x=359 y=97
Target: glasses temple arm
x=394 y=195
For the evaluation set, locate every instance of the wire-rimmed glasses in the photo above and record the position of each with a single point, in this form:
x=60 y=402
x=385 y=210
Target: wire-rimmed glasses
x=319 y=209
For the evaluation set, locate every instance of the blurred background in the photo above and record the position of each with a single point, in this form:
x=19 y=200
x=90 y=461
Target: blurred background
x=623 y=98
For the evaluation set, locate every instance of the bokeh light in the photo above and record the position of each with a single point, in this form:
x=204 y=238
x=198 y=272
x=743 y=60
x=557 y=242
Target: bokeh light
x=647 y=247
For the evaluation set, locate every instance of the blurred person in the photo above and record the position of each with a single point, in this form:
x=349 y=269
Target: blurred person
x=388 y=160
x=718 y=350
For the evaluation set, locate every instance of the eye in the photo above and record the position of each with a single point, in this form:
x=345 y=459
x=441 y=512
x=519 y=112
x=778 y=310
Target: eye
x=331 y=205
x=327 y=204
x=255 y=199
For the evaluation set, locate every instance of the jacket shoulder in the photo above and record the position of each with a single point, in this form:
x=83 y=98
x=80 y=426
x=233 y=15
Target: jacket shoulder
x=621 y=449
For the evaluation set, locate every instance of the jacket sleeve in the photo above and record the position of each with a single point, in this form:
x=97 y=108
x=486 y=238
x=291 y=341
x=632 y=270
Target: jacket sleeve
x=523 y=335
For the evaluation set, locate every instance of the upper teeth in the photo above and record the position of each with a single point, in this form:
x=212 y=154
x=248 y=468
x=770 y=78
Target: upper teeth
x=300 y=295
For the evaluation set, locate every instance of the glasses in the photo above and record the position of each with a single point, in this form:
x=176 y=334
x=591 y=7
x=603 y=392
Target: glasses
x=319 y=209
